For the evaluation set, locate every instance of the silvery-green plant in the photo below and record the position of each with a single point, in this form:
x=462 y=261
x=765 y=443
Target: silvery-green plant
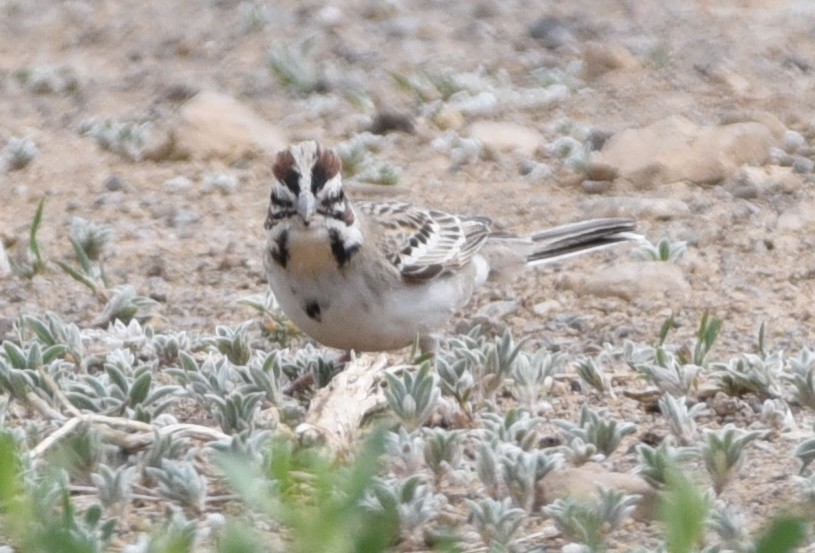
x=235 y=411
x=730 y=525
x=126 y=139
x=310 y=360
x=407 y=447
x=126 y=304
x=577 y=452
x=428 y=86
x=777 y=414
x=516 y=427
x=671 y=376
x=412 y=397
x=123 y=390
x=20 y=368
x=163 y=446
x=215 y=375
x=522 y=471
x=664 y=250
x=496 y=522
x=234 y=343
x=805 y=452
x=681 y=420
x=722 y=453
x=225 y=183
x=175 y=534
x=113 y=484
x=179 y=481
x=91 y=238
x=252 y=445
x=593 y=374
x=750 y=374
x=255 y=16
x=656 y=465
x=456 y=380
x=589 y=521
x=89 y=241
x=50 y=330
x=295 y=67
x=48 y=79
x=802 y=376
x=380 y=173
x=486 y=467
x=595 y=427
x=496 y=365
x=472 y=357
x=264 y=373
x=413 y=501
x=533 y=375
x=441 y=450
x=17 y=153
x=167 y=347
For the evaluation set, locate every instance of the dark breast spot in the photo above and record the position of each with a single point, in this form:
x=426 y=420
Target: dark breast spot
x=312 y=309
x=280 y=251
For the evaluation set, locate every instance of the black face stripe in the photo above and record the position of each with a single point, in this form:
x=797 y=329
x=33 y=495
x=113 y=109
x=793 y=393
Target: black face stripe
x=318 y=178
x=280 y=252
x=342 y=254
x=280 y=201
x=292 y=181
x=313 y=311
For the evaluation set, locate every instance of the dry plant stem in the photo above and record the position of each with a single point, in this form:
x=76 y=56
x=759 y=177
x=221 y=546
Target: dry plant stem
x=338 y=409
x=43 y=408
x=55 y=389
x=106 y=425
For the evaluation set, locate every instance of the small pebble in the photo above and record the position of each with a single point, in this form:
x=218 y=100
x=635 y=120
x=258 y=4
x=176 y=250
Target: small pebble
x=551 y=32
x=115 y=184
x=793 y=141
x=803 y=165
x=596 y=186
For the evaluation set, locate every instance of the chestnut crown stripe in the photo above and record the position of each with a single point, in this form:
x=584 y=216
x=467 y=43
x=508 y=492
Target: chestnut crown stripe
x=326 y=167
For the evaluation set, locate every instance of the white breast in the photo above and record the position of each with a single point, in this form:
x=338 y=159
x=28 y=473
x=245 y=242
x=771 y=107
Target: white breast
x=362 y=306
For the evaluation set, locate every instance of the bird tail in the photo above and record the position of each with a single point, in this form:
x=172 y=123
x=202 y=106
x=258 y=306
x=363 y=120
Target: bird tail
x=578 y=238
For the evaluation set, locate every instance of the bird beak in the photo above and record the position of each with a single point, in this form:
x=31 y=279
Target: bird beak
x=306 y=205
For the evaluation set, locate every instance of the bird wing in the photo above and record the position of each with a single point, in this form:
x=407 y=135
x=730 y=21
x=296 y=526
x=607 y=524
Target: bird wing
x=424 y=243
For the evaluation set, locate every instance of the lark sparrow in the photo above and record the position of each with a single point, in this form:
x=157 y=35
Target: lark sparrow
x=369 y=276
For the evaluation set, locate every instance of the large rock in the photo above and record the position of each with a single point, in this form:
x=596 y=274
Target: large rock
x=582 y=482
x=676 y=149
x=214 y=125
x=631 y=280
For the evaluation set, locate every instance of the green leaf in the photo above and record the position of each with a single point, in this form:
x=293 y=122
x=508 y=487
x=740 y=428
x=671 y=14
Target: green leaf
x=33 y=245
x=93 y=515
x=10 y=470
x=77 y=276
x=52 y=352
x=15 y=355
x=140 y=388
x=82 y=257
x=117 y=377
x=683 y=512
x=784 y=535
x=666 y=328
